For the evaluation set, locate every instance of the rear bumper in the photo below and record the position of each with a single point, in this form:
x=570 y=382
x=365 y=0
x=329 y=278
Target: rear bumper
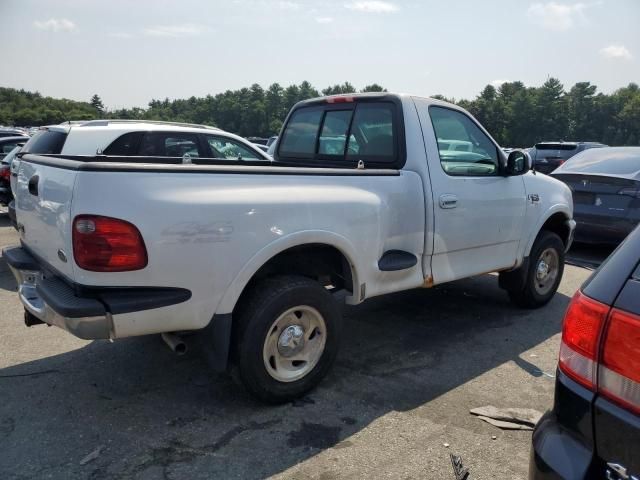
x=602 y=229
x=556 y=454
x=83 y=311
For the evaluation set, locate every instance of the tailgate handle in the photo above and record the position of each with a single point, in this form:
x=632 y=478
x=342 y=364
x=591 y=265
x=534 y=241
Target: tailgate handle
x=33 y=185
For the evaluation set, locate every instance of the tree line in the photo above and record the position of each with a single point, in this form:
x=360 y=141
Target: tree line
x=515 y=114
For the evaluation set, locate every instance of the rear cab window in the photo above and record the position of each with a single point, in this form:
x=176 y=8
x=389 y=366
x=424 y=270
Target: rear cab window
x=46 y=142
x=343 y=134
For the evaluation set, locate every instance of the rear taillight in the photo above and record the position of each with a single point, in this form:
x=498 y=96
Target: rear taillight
x=619 y=372
x=583 y=323
x=104 y=244
x=601 y=350
x=5 y=172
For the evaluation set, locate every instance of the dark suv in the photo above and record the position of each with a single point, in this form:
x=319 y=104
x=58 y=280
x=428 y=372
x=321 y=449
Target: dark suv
x=593 y=431
x=547 y=156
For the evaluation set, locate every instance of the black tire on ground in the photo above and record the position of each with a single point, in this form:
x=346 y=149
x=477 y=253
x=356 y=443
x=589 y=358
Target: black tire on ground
x=529 y=296
x=261 y=307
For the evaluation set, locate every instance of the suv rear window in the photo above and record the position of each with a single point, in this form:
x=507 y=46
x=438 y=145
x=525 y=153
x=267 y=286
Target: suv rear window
x=45 y=142
x=341 y=135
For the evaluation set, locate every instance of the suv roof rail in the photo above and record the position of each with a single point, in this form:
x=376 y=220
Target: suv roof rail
x=105 y=122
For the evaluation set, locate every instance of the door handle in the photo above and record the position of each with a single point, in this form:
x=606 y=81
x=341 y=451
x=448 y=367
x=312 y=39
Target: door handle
x=33 y=185
x=448 y=200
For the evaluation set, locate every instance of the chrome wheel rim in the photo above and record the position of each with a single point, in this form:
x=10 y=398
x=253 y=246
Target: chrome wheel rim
x=546 y=271
x=294 y=343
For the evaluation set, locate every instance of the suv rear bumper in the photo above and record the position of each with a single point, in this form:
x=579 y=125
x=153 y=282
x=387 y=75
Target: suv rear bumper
x=556 y=454
x=83 y=311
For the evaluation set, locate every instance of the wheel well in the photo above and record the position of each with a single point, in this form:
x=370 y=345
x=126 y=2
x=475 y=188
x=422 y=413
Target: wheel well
x=323 y=263
x=557 y=223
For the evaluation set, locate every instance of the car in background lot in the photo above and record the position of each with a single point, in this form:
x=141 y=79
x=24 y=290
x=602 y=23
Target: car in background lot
x=261 y=147
x=272 y=148
x=8 y=146
x=271 y=140
x=605 y=184
x=12 y=132
x=593 y=431
x=147 y=138
x=547 y=156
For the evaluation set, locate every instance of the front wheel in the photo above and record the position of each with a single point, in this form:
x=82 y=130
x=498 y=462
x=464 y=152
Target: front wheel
x=288 y=335
x=544 y=272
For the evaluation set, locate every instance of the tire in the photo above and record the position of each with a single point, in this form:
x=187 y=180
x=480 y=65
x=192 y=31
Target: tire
x=283 y=321
x=547 y=248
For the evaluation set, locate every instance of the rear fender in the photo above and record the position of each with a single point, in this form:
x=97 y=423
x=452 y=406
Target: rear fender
x=233 y=292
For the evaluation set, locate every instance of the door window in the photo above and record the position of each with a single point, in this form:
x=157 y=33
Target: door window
x=464 y=149
x=227 y=149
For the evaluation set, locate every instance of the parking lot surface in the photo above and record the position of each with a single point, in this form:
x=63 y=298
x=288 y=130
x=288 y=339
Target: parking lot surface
x=395 y=405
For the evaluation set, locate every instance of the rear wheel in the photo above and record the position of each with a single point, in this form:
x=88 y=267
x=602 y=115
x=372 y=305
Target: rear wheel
x=544 y=272
x=287 y=338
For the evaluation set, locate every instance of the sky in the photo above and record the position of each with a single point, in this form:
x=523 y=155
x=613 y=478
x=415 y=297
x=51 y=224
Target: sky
x=130 y=52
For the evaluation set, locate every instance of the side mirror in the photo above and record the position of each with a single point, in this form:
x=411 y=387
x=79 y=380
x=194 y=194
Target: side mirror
x=518 y=162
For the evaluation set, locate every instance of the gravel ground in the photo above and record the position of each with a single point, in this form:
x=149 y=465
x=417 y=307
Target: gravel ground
x=395 y=405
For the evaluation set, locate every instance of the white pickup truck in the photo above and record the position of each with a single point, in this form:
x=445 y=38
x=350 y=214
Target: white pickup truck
x=366 y=195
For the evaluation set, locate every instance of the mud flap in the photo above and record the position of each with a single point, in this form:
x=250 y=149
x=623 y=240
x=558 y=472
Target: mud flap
x=214 y=341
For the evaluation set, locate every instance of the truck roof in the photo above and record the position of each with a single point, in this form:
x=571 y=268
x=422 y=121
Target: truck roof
x=348 y=97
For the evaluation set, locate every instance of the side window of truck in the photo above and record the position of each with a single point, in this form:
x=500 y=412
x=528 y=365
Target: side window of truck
x=464 y=149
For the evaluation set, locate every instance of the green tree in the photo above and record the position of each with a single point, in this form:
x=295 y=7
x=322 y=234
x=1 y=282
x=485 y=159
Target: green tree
x=96 y=102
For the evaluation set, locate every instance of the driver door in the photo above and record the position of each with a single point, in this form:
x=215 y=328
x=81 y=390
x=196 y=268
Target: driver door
x=478 y=212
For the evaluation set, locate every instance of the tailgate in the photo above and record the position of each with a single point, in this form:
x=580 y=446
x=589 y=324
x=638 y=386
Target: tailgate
x=43 y=212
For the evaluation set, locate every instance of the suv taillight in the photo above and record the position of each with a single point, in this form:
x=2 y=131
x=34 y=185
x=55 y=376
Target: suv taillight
x=601 y=350
x=583 y=323
x=619 y=371
x=105 y=244
x=5 y=172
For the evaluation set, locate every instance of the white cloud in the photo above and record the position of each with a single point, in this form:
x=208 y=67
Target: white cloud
x=175 y=31
x=557 y=16
x=616 y=51
x=497 y=83
x=119 y=35
x=324 y=19
x=55 y=25
x=287 y=5
x=372 y=6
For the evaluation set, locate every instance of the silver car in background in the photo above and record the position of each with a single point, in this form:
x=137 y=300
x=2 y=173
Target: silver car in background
x=605 y=183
